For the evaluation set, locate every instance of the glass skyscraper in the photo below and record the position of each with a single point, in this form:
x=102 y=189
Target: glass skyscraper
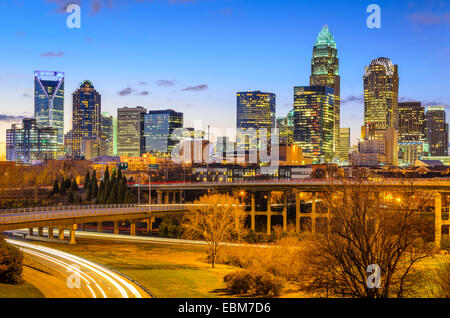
x=255 y=116
x=130 y=131
x=158 y=127
x=285 y=127
x=325 y=72
x=314 y=121
x=49 y=101
x=437 y=131
x=86 y=116
x=411 y=132
x=107 y=134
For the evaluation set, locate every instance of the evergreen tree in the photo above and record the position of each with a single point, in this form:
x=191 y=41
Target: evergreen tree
x=94 y=188
x=129 y=198
x=67 y=183
x=62 y=188
x=79 y=199
x=89 y=194
x=55 y=187
x=74 y=186
x=87 y=179
x=71 y=198
x=100 y=192
x=119 y=174
x=106 y=175
x=121 y=193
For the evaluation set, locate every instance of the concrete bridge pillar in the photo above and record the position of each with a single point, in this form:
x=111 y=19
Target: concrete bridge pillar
x=116 y=227
x=40 y=231
x=437 y=219
x=269 y=212
x=100 y=227
x=313 y=212
x=252 y=211
x=132 y=228
x=166 y=198
x=72 y=234
x=181 y=196
x=50 y=232
x=30 y=231
x=297 y=212
x=159 y=195
x=284 y=213
x=61 y=233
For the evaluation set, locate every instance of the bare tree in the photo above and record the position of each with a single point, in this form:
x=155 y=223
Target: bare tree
x=369 y=225
x=215 y=218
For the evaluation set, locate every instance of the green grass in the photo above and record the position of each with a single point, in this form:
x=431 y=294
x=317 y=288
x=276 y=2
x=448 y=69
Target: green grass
x=165 y=270
x=24 y=290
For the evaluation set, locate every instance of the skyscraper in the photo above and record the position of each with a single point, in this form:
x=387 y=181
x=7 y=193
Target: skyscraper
x=285 y=127
x=325 y=72
x=130 y=131
x=411 y=132
x=49 y=101
x=255 y=118
x=344 y=144
x=107 y=134
x=86 y=116
x=437 y=131
x=158 y=128
x=314 y=121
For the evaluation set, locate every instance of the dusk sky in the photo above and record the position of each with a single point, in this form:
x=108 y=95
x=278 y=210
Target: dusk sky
x=193 y=56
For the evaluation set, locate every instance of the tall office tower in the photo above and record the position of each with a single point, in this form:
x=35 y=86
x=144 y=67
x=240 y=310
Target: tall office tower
x=314 y=121
x=68 y=143
x=30 y=142
x=158 y=128
x=49 y=101
x=107 y=134
x=86 y=116
x=114 y=136
x=325 y=72
x=285 y=127
x=255 y=118
x=344 y=144
x=411 y=132
x=130 y=131
x=437 y=131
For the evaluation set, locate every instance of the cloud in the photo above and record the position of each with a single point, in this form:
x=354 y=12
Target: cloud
x=352 y=99
x=95 y=6
x=196 y=88
x=26 y=95
x=143 y=93
x=6 y=118
x=165 y=83
x=62 y=4
x=52 y=54
x=125 y=91
x=428 y=18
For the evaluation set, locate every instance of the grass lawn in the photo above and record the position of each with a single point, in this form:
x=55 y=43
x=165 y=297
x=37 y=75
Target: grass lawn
x=24 y=290
x=165 y=270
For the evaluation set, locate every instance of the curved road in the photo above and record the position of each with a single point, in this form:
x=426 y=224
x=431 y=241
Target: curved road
x=83 y=277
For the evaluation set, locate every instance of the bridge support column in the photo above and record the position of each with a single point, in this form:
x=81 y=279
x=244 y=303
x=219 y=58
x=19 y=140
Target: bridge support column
x=159 y=195
x=50 y=232
x=313 y=213
x=269 y=212
x=100 y=227
x=132 y=228
x=72 y=235
x=181 y=196
x=116 y=227
x=284 y=213
x=252 y=211
x=40 y=231
x=437 y=219
x=166 y=199
x=297 y=212
x=30 y=231
x=61 y=233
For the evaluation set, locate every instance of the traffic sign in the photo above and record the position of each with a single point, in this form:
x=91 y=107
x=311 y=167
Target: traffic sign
x=123 y=165
x=153 y=167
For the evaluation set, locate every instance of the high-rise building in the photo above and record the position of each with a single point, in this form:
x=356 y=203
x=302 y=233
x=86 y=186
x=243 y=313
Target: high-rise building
x=158 y=128
x=325 y=72
x=344 y=144
x=49 y=101
x=437 y=131
x=411 y=132
x=68 y=143
x=255 y=118
x=285 y=127
x=314 y=121
x=86 y=116
x=130 y=131
x=107 y=134
x=30 y=142
x=114 y=136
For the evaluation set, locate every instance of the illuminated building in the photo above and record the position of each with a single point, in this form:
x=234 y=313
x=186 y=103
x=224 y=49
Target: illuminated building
x=344 y=144
x=437 y=131
x=86 y=116
x=49 y=101
x=130 y=131
x=139 y=163
x=285 y=127
x=255 y=118
x=2 y=151
x=115 y=136
x=107 y=135
x=411 y=132
x=68 y=143
x=91 y=147
x=325 y=72
x=314 y=121
x=158 y=128
x=30 y=142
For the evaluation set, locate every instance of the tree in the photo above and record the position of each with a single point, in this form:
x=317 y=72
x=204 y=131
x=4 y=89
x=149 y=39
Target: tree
x=74 y=186
x=11 y=263
x=67 y=183
x=55 y=187
x=106 y=175
x=100 y=193
x=216 y=218
x=87 y=180
x=94 y=187
x=71 y=197
x=62 y=187
x=370 y=232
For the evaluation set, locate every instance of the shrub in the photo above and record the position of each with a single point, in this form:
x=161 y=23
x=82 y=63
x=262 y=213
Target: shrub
x=257 y=282
x=445 y=242
x=11 y=262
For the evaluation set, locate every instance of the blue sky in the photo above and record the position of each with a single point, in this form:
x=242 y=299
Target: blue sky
x=193 y=56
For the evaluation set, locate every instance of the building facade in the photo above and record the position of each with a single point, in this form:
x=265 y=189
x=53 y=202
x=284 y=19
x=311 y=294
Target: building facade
x=437 y=131
x=411 y=132
x=107 y=135
x=86 y=116
x=49 y=101
x=158 y=128
x=344 y=144
x=314 y=121
x=130 y=131
x=285 y=127
x=325 y=72
x=29 y=142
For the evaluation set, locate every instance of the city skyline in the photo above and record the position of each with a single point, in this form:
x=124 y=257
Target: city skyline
x=215 y=76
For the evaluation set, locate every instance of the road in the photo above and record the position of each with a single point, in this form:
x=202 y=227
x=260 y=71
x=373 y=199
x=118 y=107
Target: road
x=77 y=276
